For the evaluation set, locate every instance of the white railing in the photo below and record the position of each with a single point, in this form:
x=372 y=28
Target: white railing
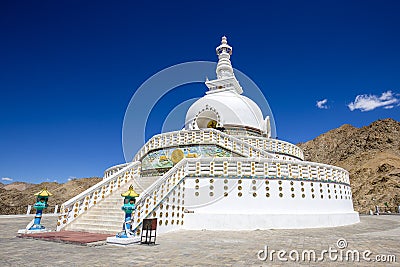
x=110 y=171
x=173 y=171
x=271 y=168
x=81 y=203
x=154 y=196
x=204 y=136
x=274 y=146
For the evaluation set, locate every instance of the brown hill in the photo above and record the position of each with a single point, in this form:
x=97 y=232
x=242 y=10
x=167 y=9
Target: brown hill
x=20 y=186
x=371 y=154
x=17 y=196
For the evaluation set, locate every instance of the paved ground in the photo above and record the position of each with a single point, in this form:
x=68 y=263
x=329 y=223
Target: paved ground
x=379 y=234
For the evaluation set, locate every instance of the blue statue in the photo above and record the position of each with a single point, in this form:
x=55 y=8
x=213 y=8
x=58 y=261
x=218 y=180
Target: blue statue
x=41 y=204
x=128 y=207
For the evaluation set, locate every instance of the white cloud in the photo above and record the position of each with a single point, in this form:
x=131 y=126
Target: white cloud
x=6 y=179
x=388 y=107
x=371 y=102
x=71 y=178
x=322 y=104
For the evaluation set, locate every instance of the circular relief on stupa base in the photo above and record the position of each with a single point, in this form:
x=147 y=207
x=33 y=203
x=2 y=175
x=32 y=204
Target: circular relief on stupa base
x=177 y=155
x=212 y=124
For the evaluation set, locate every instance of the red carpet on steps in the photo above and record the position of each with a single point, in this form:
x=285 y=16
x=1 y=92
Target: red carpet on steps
x=81 y=238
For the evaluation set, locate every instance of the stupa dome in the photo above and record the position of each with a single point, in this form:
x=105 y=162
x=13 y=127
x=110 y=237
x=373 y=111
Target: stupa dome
x=227 y=109
x=224 y=106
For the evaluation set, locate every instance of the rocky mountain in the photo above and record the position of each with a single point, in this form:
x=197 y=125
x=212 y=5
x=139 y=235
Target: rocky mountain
x=371 y=154
x=18 y=195
x=20 y=186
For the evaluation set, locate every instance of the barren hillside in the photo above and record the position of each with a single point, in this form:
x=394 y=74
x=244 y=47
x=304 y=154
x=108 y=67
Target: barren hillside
x=371 y=154
x=17 y=196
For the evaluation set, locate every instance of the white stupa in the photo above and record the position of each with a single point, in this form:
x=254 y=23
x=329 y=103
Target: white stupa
x=222 y=172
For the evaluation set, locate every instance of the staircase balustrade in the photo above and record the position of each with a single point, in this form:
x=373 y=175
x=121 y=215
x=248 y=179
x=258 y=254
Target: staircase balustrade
x=79 y=204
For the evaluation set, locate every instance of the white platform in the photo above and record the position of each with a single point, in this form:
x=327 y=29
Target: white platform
x=123 y=241
x=24 y=231
x=212 y=221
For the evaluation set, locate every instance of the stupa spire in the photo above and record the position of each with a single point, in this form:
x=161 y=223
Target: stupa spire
x=226 y=80
x=224 y=52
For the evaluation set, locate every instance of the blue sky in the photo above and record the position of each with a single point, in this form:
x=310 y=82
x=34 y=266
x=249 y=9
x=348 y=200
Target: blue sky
x=68 y=70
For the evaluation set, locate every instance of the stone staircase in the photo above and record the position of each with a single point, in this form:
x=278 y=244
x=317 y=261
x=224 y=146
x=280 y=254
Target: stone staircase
x=107 y=217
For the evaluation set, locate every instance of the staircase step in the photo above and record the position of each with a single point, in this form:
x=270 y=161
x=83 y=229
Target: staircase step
x=110 y=206
x=108 y=223
x=103 y=216
x=96 y=229
x=100 y=212
x=82 y=225
x=107 y=216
